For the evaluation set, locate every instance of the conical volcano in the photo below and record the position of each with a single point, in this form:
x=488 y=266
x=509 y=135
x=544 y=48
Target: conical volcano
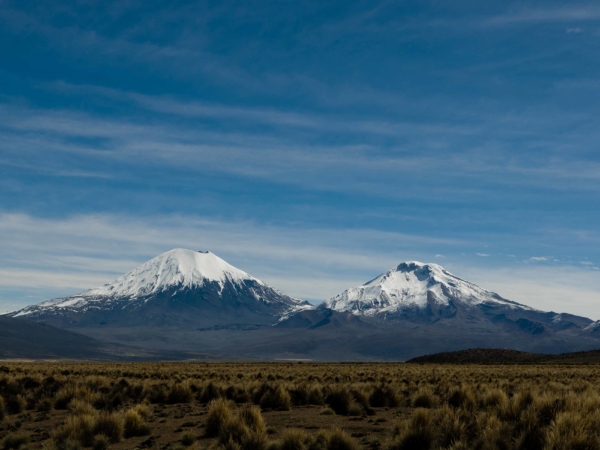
x=179 y=287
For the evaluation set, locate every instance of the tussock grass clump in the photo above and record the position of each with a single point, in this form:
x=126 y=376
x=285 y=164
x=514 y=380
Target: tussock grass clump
x=278 y=399
x=572 y=430
x=416 y=434
x=294 y=439
x=495 y=398
x=65 y=395
x=335 y=439
x=76 y=428
x=101 y=442
x=245 y=429
x=253 y=419
x=306 y=394
x=451 y=429
x=180 y=393
x=15 y=441
x=134 y=424
x=210 y=392
x=109 y=424
x=143 y=410
x=218 y=413
x=44 y=404
x=340 y=401
x=384 y=396
x=424 y=398
x=81 y=407
x=462 y=397
x=339 y=440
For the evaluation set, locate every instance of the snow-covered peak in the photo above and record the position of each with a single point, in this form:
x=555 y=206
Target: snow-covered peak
x=174 y=273
x=177 y=267
x=410 y=284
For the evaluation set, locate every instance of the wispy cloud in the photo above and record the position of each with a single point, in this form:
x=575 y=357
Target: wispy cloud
x=358 y=164
x=561 y=289
x=565 y=14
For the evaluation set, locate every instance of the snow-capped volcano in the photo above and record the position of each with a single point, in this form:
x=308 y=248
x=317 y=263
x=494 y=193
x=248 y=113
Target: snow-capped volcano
x=179 y=267
x=413 y=286
x=194 y=285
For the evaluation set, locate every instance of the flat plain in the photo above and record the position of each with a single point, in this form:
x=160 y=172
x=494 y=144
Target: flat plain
x=312 y=406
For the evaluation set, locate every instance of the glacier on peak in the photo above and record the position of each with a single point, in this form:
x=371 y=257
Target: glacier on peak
x=411 y=284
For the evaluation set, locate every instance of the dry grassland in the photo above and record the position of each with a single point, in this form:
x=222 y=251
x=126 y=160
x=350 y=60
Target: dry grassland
x=294 y=406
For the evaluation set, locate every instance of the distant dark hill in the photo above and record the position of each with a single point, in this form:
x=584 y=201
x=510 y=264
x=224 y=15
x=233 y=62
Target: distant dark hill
x=26 y=339
x=480 y=356
x=504 y=356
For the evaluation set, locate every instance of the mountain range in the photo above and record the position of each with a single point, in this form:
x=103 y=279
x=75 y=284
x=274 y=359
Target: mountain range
x=195 y=303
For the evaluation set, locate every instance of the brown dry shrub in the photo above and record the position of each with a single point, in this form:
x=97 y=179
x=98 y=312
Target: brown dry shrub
x=2 y=409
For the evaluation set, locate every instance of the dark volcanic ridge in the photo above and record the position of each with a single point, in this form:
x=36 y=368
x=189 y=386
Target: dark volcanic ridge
x=505 y=356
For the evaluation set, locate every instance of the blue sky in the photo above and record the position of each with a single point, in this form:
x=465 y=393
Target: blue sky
x=312 y=144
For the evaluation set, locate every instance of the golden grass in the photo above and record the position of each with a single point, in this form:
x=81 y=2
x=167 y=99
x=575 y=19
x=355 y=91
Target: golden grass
x=531 y=407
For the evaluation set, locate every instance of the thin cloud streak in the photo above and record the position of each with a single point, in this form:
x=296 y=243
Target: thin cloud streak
x=36 y=132
x=567 y=14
